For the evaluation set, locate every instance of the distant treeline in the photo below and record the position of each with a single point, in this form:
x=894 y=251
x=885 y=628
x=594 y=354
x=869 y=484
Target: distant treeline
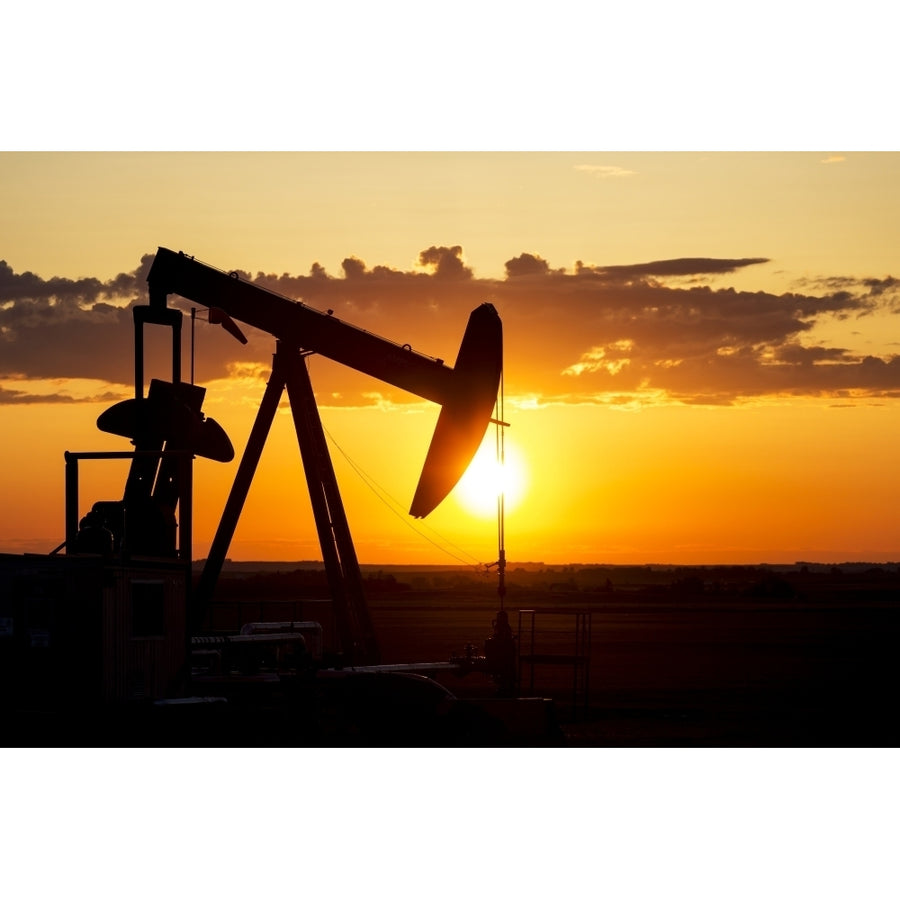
x=298 y=584
x=774 y=582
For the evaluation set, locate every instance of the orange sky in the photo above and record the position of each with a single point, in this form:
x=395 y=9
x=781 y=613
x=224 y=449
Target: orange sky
x=701 y=348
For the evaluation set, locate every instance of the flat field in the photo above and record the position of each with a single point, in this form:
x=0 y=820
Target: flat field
x=746 y=657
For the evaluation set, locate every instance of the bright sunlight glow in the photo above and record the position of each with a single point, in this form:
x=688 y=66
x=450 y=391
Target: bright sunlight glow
x=482 y=482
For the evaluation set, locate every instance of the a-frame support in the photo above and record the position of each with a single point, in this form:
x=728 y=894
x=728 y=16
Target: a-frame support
x=352 y=617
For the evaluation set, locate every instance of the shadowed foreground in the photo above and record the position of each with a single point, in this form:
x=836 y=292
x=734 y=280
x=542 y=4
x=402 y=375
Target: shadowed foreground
x=716 y=657
x=665 y=657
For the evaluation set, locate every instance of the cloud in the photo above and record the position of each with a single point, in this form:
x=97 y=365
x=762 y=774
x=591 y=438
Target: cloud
x=526 y=264
x=10 y=398
x=599 y=334
x=36 y=391
x=605 y=171
x=886 y=289
x=667 y=267
x=69 y=293
x=446 y=262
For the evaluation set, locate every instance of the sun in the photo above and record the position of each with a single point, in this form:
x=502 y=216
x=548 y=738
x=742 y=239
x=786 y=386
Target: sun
x=481 y=484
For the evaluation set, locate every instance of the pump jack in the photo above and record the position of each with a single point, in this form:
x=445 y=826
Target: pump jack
x=466 y=393
x=112 y=619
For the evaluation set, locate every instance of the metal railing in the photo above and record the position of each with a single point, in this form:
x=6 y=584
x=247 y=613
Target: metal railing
x=185 y=497
x=556 y=646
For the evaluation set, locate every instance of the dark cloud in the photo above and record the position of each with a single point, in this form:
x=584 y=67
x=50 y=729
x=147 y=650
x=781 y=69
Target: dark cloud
x=667 y=267
x=353 y=267
x=66 y=341
x=887 y=287
x=9 y=398
x=879 y=286
x=12 y=397
x=59 y=327
x=599 y=333
x=445 y=261
x=36 y=289
x=66 y=291
x=526 y=264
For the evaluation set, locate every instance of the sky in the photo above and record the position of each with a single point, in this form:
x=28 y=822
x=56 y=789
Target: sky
x=701 y=348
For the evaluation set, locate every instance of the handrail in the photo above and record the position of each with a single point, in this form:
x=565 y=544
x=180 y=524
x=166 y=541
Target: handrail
x=186 y=499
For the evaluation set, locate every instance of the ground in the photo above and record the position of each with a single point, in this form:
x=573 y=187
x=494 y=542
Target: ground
x=718 y=656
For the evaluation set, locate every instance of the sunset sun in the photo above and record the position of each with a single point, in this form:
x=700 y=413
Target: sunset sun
x=485 y=478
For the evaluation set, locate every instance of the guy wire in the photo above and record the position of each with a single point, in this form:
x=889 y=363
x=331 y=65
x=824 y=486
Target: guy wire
x=394 y=506
x=501 y=497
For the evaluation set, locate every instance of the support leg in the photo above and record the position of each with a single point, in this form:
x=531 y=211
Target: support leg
x=235 y=503
x=341 y=565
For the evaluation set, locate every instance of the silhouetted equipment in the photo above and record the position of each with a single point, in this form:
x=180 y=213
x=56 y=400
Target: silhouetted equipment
x=121 y=596
x=167 y=429
x=467 y=394
x=499 y=659
x=500 y=652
